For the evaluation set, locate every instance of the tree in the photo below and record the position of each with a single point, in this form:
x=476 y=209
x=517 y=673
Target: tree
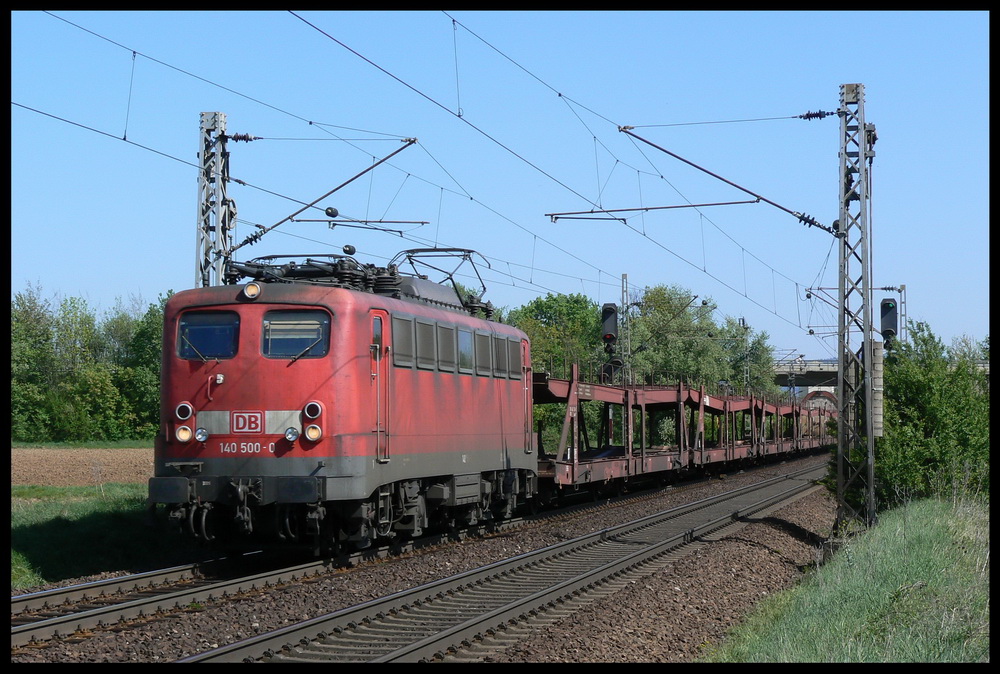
x=77 y=338
x=563 y=329
x=139 y=380
x=936 y=421
x=674 y=336
x=87 y=405
x=32 y=363
x=74 y=377
x=967 y=347
x=117 y=328
x=671 y=335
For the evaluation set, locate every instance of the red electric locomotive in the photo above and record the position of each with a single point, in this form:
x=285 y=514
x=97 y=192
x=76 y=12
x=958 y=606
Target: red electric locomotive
x=333 y=403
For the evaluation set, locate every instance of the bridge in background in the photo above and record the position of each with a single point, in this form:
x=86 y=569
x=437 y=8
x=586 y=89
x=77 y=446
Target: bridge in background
x=819 y=375
x=811 y=375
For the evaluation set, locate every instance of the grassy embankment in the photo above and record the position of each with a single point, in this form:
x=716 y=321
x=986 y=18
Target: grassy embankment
x=914 y=588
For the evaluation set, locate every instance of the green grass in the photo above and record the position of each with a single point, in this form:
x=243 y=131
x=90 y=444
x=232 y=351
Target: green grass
x=69 y=532
x=914 y=588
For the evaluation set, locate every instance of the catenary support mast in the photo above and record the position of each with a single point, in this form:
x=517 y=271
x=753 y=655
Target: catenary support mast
x=855 y=396
x=216 y=211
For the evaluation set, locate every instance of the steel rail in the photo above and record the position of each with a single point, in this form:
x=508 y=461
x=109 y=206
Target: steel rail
x=424 y=623
x=96 y=590
x=78 y=609
x=143 y=599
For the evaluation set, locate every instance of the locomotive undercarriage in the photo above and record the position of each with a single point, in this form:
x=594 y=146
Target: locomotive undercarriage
x=400 y=510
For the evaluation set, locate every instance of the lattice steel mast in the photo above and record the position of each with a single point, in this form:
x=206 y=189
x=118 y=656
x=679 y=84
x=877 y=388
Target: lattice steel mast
x=855 y=397
x=216 y=211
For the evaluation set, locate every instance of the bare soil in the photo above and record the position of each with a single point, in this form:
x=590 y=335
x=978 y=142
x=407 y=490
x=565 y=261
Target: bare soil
x=79 y=467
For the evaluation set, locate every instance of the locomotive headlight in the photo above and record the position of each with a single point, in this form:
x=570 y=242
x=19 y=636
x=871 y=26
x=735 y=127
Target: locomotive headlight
x=251 y=291
x=312 y=409
x=313 y=432
x=291 y=434
x=184 y=411
x=201 y=435
x=183 y=434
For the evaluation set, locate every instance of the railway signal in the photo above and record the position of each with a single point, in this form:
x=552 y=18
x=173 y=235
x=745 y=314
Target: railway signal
x=609 y=326
x=889 y=319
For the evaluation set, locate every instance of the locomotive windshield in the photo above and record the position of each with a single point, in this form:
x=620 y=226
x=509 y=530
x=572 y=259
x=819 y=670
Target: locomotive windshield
x=296 y=334
x=208 y=334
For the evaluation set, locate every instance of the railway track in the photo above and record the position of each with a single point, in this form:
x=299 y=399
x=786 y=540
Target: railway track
x=78 y=612
x=75 y=611
x=457 y=618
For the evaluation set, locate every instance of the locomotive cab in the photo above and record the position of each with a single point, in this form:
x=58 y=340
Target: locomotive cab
x=321 y=410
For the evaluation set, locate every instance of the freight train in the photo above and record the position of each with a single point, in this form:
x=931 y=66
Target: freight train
x=318 y=401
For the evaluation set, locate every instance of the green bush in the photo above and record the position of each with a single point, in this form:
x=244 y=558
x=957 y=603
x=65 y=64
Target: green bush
x=76 y=376
x=937 y=409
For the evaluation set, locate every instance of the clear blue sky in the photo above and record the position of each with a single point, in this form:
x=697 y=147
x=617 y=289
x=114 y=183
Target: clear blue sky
x=517 y=116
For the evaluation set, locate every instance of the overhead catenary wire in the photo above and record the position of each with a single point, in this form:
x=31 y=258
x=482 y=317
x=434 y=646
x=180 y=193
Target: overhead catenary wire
x=464 y=120
x=128 y=105
x=440 y=105
x=534 y=235
x=819 y=114
x=279 y=195
x=805 y=219
x=502 y=145
x=557 y=216
x=320 y=125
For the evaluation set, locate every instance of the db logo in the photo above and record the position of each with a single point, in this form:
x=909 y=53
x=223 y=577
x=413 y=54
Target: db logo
x=248 y=422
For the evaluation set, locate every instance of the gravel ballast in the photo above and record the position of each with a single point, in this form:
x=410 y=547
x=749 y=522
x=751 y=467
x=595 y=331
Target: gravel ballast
x=669 y=616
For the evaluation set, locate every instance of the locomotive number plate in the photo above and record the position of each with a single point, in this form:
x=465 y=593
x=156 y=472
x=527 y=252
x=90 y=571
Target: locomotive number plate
x=246 y=447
